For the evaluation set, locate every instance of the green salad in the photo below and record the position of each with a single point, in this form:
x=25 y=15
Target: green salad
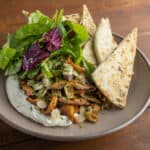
x=66 y=39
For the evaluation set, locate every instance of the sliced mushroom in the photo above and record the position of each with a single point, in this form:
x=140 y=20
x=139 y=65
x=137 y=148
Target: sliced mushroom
x=91 y=116
x=90 y=98
x=58 y=85
x=56 y=93
x=27 y=89
x=52 y=105
x=74 y=101
x=95 y=107
x=68 y=110
x=77 y=67
x=76 y=84
x=69 y=91
x=39 y=76
x=33 y=100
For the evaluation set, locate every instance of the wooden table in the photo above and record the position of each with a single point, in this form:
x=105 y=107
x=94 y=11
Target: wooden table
x=124 y=15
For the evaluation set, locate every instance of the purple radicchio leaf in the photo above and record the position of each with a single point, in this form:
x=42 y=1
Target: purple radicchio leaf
x=33 y=56
x=52 y=39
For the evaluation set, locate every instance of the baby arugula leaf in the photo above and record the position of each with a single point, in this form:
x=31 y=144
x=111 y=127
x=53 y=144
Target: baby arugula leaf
x=88 y=66
x=57 y=18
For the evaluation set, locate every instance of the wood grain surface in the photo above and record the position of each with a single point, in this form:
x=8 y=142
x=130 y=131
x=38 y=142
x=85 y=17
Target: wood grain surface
x=124 y=15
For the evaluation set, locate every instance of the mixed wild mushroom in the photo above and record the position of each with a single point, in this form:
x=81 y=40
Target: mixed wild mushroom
x=70 y=91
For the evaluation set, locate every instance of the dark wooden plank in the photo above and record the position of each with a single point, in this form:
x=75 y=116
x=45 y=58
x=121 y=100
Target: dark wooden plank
x=124 y=15
x=10 y=135
x=134 y=137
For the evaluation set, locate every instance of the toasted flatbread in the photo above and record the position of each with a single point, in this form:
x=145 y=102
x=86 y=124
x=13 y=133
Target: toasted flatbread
x=113 y=76
x=104 y=42
x=73 y=17
x=87 y=21
x=88 y=52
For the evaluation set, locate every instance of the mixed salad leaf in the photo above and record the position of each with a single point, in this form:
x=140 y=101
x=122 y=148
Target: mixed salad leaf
x=33 y=56
x=34 y=46
x=38 y=17
x=6 y=55
x=52 y=40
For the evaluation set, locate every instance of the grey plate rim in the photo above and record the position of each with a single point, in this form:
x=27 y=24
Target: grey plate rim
x=85 y=136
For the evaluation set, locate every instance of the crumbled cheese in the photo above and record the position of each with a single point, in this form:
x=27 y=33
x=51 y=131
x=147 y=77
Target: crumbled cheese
x=41 y=104
x=37 y=86
x=45 y=82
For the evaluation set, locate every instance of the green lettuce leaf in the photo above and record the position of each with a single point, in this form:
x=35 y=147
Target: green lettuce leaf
x=81 y=33
x=78 y=51
x=20 y=45
x=89 y=68
x=31 y=74
x=72 y=45
x=45 y=70
x=27 y=35
x=13 y=67
x=64 y=52
x=6 y=55
x=28 y=30
x=38 y=17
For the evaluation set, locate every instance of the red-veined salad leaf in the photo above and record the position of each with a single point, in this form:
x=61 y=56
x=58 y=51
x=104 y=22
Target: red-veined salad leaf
x=52 y=39
x=34 y=56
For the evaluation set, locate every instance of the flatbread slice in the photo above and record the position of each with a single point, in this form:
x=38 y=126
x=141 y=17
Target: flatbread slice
x=113 y=76
x=87 y=21
x=88 y=52
x=104 y=42
x=73 y=17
